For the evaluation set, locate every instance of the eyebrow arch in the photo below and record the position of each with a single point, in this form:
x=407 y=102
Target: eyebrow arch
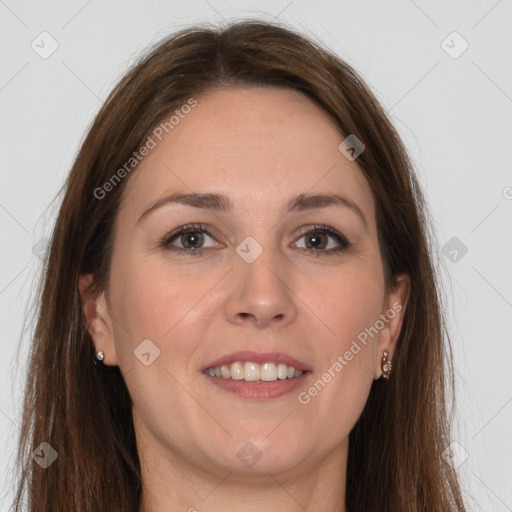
x=219 y=202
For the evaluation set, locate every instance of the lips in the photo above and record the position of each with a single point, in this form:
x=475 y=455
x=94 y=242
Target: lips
x=260 y=358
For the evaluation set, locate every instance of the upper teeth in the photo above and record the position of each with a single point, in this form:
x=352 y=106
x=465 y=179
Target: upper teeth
x=254 y=372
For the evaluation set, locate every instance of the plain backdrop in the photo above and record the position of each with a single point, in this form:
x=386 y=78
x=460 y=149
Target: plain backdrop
x=441 y=69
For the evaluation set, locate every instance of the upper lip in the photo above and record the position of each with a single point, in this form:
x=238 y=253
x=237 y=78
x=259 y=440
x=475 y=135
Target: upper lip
x=260 y=358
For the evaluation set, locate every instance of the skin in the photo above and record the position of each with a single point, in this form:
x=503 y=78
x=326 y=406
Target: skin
x=260 y=147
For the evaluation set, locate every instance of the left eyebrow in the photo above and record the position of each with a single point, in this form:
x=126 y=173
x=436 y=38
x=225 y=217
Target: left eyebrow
x=304 y=202
x=220 y=202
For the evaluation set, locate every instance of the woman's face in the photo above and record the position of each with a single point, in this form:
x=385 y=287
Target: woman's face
x=262 y=283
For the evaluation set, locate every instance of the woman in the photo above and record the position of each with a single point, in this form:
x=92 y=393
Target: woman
x=243 y=252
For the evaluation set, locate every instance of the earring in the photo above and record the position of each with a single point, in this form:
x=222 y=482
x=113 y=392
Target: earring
x=386 y=365
x=98 y=359
x=98 y=362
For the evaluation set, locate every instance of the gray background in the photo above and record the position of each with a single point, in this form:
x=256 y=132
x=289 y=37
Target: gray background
x=453 y=110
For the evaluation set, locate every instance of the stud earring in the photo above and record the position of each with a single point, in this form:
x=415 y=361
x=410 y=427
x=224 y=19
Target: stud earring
x=98 y=362
x=98 y=359
x=386 y=365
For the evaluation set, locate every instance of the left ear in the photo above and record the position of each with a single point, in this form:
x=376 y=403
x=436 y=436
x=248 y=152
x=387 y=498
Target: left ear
x=392 y=317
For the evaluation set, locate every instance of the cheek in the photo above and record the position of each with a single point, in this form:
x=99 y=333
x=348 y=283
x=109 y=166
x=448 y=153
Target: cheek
x=158 y=305
x=350 y=306
x=149 y=302
x=349 y=302
x=155 y=301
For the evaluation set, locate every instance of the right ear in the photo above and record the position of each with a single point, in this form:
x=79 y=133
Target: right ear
x=97 y=318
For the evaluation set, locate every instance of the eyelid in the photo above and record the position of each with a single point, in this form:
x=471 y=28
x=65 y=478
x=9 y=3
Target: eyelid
x=321 y=227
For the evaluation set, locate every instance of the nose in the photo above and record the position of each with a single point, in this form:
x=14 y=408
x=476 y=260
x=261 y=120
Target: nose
x=262 y=292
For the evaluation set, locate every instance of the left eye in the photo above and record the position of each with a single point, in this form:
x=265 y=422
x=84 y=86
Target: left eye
x=317 y=240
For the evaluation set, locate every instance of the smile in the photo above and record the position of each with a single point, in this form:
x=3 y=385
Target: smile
x=253 y=372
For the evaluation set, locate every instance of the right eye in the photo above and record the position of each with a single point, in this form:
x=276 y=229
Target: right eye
x=191 y=237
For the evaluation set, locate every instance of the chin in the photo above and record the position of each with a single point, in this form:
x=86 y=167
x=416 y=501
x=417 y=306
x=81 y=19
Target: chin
x=257 y=454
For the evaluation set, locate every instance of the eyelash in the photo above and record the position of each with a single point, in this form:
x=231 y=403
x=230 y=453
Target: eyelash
x=165 y=242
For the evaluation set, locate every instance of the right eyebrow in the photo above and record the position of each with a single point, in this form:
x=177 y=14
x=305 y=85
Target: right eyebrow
x=217 y=202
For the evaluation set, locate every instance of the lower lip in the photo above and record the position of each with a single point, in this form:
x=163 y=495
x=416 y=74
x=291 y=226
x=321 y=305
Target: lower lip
x=258 y=391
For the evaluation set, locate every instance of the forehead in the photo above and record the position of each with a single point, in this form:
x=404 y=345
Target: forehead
x=256 y=145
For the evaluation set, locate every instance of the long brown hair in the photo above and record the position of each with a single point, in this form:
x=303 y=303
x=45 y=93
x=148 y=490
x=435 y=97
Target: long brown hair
x=395 y=458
